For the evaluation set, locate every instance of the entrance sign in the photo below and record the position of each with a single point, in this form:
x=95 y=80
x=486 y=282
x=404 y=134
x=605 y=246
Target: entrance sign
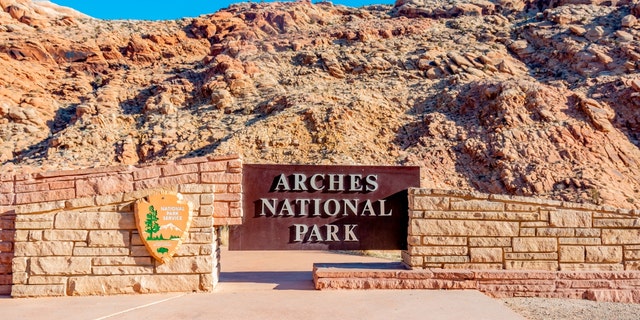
x=297 y=207
x=163 y=222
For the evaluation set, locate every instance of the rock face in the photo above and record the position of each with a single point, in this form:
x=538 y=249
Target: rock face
x=510 y=97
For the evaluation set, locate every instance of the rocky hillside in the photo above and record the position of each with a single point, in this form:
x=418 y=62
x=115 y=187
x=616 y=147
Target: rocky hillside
x=536 y=98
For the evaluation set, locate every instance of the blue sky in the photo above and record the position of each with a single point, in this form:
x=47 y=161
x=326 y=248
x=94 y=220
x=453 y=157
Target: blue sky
x=165 y=9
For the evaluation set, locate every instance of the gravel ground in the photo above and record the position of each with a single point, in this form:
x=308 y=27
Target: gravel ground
x=556 y=309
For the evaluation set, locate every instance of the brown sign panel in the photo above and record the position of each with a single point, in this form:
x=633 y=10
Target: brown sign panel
x=163 y=222
x=303 y=207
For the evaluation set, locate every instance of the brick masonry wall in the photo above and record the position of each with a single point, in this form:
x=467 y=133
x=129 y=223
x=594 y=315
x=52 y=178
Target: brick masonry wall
x=452 y=229
x=508 y=247
x=74 y=233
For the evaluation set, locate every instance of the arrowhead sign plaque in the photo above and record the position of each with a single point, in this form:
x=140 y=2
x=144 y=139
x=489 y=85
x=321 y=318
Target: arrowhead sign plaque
x=163 y=222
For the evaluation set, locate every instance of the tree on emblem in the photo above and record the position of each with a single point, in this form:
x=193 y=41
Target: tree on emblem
x=151 y=224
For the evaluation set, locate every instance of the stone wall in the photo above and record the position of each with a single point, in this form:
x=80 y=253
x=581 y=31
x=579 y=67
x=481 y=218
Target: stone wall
x=75 y=231
x=451 y=229
x=508 y=246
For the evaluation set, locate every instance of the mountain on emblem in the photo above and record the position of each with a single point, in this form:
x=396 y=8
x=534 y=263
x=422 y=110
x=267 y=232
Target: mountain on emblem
x=163 y=222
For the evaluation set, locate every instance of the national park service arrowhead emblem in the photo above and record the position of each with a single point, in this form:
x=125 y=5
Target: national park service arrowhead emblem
x=163 y=222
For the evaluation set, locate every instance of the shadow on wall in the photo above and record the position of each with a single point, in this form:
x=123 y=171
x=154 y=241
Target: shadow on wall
x=7 y=236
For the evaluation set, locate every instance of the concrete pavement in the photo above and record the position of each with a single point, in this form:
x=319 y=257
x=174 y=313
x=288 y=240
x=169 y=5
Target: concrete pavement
x=268 y=285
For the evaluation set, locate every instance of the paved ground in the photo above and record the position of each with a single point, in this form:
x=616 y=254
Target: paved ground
x=268 y=285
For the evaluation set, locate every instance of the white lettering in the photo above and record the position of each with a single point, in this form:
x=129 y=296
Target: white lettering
x=300 y=230
x=302 y=204
x=332 y=233
x=336 y=207
x=372 y=182
x=283 y=184
x=355 y=184
x=368 y=207
x=315 y=232
x=298 y=182
x=336 y=182
x=382 y=213
x=270 y=206
x=314 y=179
x=351 y=206
x=286 y=208
x=348 y=232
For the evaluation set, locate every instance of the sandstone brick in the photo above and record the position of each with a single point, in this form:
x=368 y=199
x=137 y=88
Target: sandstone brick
x=572 y=254
x=632 y=265
x=631 y=254
x=476 y=205
x=104 y=185
x=43 y=248
x=201 y=222
x=587 y=232
x=122 y=261
x=522 y=207
x=86 y=251
x=535 y=245
x=570 y=219
x=197 y=188
x=208 y=281
x=186 y=250
x=127 y=284
x=446 y=259
x=464 y=227
x=174 y=169
x=80 y=202
x=235 y=212
x=94 y=220
x=61 y=184
x=527 y=232
x=531 y=256
x=485 y=255
x=430 y=203
x=40 y=207
x=604 y=295
x=146 y=173
x=580 y=241
x=32 y=187
x=58 y=266
x=107 y=199
x=532 y=265
x=45 y=196
x=199 y=238
x=555 y=232
x=122 y=270
x=439 y=251
x=610 y=254
x=621 y=236
x=178 y=180
x=220 y=209
x=490 y=242
x=235 y=188
x=20 y=277
x=43 y=290
x=186 y=265
x=591 y=267
x=65 y=235
x=221 y=178
x=213 y=166
x=108 y=238
x=444 y=241
x=7 y=199
x=616 y=223
x=48 y=280
x=227 y=197
x=206 y=199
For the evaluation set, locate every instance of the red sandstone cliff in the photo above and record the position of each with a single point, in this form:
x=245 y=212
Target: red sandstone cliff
x=505 y=96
